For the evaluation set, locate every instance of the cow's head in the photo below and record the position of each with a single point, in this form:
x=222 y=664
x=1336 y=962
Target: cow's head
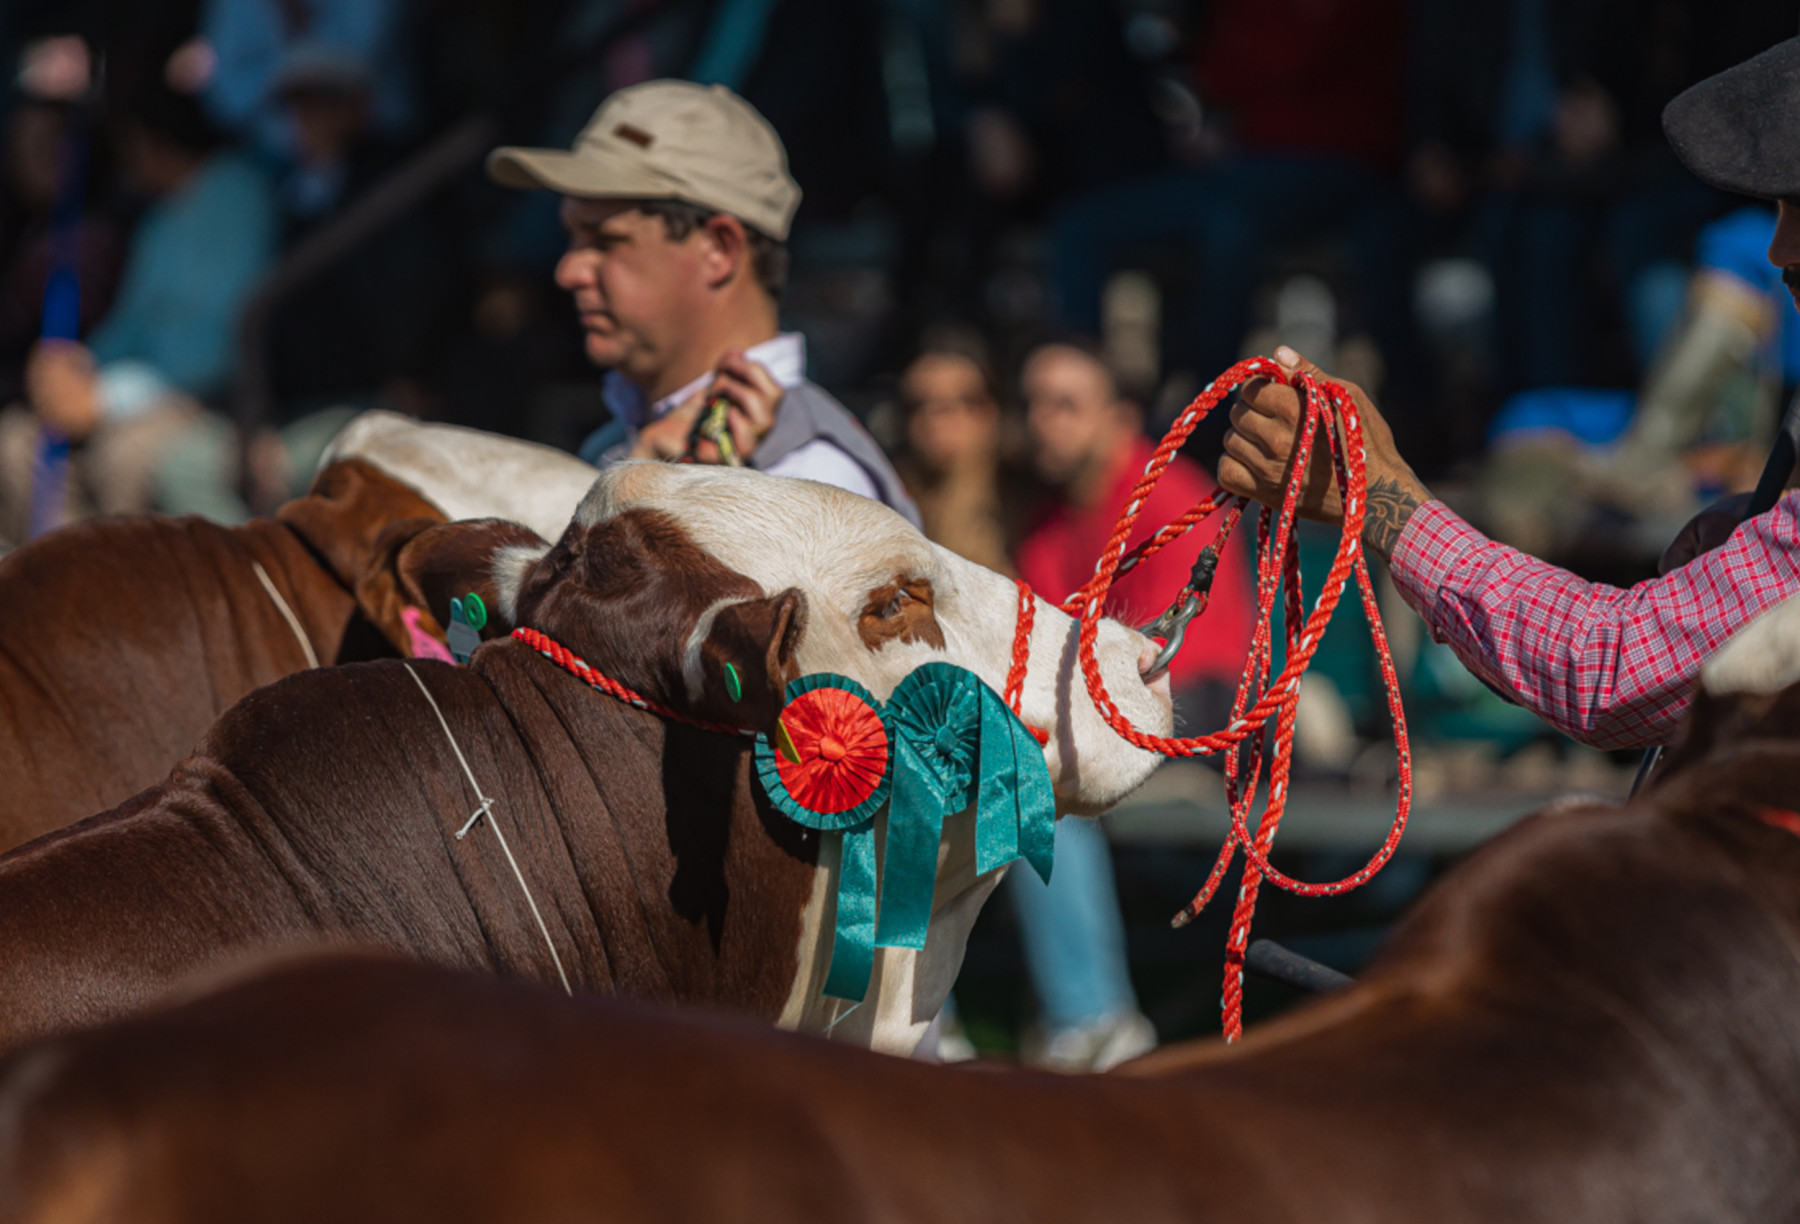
x=668 y=573
x=785 y=577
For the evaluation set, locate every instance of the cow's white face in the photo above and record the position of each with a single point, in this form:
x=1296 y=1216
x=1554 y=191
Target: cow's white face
x=469 y=474
x=882 y=600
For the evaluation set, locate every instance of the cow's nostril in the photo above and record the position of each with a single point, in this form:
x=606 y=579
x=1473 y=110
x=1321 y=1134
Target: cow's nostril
x=1146 y=664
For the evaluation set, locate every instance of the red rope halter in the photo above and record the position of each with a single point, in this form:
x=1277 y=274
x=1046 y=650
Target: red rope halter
x=580 y=668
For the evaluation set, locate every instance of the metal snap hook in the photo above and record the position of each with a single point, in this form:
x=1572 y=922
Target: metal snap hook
x=1171 y=627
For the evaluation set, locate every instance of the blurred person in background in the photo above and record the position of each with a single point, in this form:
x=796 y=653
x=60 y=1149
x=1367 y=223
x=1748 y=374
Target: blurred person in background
x=957 y=454
x=1087 y=444
x=1539 y=118
x=677 y=201
x=127 y=396
x=1266 y=161
x=1717 y=380
x=36 y=146
x=350 y=337
x=244 y=46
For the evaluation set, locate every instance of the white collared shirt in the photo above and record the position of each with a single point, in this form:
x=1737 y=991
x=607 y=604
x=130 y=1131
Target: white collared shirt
x=784 y=358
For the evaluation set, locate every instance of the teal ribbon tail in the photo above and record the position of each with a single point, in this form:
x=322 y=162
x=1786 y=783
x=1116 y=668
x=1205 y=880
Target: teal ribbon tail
x=1037 y=802
x=853 y=946
x=909 y=876
x=997 y=812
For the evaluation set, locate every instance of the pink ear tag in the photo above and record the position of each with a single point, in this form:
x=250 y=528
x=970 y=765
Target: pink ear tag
x=424 y=646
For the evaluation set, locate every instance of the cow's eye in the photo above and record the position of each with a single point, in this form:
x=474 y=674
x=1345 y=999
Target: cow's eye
x=892 y=607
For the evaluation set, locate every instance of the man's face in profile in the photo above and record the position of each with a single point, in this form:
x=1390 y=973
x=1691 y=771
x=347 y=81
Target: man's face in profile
x=632 y=285
x=1784 y=248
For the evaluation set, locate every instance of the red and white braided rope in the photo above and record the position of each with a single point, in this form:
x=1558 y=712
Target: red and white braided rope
x=1330 y=412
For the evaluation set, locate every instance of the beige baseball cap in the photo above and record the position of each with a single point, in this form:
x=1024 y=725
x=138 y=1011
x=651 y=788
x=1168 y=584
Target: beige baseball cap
x=669 y=140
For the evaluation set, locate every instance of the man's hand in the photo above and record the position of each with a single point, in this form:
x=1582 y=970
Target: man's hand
x=754 y=398
x=63 y=388
x=1259 y=451
x=1705 y=532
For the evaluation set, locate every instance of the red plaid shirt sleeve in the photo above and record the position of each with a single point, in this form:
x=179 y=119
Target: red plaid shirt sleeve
x=1610 y=667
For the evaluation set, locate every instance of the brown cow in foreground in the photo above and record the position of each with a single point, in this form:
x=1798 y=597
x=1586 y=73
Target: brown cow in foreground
x=1592 y=1020
x=327 y=803
x=123 y=639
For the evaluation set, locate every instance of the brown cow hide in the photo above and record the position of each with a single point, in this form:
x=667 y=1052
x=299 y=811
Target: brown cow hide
x=123 y=639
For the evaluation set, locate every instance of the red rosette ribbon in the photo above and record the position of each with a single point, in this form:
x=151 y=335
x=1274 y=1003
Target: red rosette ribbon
x=842 y=746
x=829 y=765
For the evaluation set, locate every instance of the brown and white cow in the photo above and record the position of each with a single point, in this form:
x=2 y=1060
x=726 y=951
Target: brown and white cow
x=327 y=803
x=123 y=639
x=1590 y=1021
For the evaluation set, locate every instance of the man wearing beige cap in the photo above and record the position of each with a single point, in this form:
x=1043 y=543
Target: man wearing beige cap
x=677 y=201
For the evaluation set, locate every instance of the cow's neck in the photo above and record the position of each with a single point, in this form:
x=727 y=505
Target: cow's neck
x=326 y=609
x=907 y=988
x=697 y=888
x=736 y=898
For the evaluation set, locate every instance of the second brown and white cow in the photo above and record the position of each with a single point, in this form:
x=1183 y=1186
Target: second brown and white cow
x=123 y=639
x=327 y=804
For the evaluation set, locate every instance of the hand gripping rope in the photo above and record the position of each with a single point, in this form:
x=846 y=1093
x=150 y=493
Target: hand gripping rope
x=1328 y=412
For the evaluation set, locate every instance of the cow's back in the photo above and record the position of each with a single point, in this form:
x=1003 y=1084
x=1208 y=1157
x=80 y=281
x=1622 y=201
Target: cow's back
x=122 y=640
x=320 y=806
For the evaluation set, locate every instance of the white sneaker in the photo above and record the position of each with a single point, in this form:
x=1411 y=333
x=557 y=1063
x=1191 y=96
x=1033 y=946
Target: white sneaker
x=1099 y=1046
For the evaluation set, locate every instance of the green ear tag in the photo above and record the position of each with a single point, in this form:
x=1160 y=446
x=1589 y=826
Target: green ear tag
x=475 y=611
x=733 y=685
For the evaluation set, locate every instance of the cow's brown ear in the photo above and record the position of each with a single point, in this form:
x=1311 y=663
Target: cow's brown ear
x=342 y=517
x=759 y=639
x=419 y=567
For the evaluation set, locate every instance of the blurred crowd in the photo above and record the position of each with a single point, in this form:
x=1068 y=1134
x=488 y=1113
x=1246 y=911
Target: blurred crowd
x=1467 y=207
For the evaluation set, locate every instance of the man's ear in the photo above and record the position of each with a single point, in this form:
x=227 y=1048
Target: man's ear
x=728 y=250
x=420 y=566
x=342 y=517
x=759 y=639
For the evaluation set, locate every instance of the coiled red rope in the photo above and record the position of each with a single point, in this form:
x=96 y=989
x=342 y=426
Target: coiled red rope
x=1328 y=411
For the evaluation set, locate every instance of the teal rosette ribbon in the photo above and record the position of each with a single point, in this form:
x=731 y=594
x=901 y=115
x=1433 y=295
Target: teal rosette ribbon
x=944 y=741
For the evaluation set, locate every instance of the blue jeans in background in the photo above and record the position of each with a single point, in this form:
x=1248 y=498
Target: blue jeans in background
x=1073 y=934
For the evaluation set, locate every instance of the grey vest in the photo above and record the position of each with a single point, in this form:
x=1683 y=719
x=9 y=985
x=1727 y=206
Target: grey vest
x=808 y=413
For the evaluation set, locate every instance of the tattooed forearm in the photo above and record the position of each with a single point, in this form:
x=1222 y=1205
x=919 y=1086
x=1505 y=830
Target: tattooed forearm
x=1391 y=504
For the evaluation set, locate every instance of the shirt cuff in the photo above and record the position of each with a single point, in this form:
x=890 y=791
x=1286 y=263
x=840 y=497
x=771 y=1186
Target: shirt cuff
x=1433 y=546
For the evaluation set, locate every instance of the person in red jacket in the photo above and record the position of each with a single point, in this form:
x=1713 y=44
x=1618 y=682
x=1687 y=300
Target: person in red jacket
x=1088 y=445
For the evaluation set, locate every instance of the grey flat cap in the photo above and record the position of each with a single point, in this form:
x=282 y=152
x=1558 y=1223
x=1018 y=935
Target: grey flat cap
x=1740 y=130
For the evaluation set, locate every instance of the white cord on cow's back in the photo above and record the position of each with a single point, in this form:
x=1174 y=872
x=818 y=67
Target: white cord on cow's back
x=487 y=809
x=287 y=614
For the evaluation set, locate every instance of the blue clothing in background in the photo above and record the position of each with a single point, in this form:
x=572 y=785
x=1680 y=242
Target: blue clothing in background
x=1737 y=244
x=195 y=258
x=1073 y=935
x=250 y=37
